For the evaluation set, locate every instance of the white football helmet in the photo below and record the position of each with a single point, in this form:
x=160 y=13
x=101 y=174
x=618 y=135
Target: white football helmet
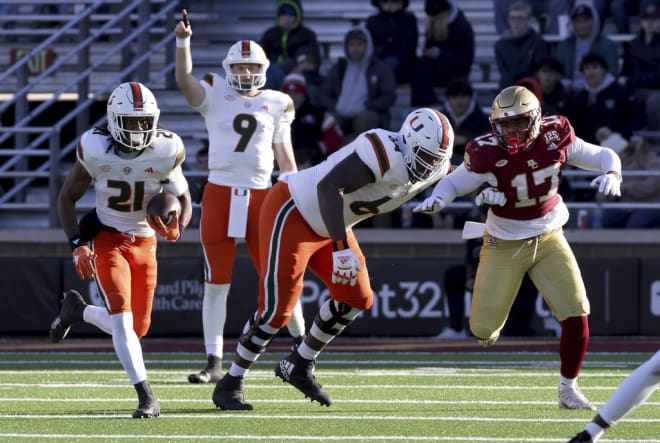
x=515 y=102
x=129 y=102
x=428 y=142
x=246 y=51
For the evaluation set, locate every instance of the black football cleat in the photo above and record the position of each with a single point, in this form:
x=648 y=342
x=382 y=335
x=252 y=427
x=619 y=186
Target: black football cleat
x=228 y=394
x=211 y=374
x=71 y=312
x=582 y=437
x=148 y=406
x=299 y=373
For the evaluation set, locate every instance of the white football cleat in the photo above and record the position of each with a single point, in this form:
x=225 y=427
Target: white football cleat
x=450 y=333
x=572 y=398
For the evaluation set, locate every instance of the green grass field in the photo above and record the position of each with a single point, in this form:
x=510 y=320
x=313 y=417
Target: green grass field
x=402 y=397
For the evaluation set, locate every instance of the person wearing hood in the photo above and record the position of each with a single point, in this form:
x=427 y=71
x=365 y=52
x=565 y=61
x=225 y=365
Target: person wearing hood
x=360 y=89
x=395 y=36
x=520 y=48
x=586 y=38
x=283 y=40
x=448 y=51
x=603 y=102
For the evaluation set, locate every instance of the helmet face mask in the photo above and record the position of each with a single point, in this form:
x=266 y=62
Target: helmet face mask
x=429 y=141
x=132 y=115
x=516 y=118
x=244 y=53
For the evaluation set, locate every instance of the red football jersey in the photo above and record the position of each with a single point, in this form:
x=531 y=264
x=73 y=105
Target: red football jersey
x=530 y=179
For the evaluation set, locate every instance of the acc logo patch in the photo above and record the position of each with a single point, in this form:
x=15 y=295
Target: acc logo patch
x=501 y=163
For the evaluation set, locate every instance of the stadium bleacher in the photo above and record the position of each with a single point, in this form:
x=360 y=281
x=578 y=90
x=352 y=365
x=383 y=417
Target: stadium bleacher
x=216 y=26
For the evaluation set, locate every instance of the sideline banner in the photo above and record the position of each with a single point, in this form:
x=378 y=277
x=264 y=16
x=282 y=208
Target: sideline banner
x=409 y=298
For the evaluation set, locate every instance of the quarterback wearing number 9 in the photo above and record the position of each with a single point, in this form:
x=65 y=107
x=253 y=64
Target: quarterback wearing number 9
x=520 y=161
x=306 y=222
x=249 y=129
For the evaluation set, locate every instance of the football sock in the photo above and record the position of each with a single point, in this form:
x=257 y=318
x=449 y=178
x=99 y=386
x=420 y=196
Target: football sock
x=573 y=345
x=127 y=346
x=214 y=313
x=99 y=317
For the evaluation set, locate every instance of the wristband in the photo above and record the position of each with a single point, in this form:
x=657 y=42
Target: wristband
x=617 y=174
x=76 y=242
x=183 y=42
x=338 y=245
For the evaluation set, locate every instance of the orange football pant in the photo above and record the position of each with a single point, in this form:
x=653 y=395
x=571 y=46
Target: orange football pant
x=219 y=249
x=287 y=246
x=126 y=272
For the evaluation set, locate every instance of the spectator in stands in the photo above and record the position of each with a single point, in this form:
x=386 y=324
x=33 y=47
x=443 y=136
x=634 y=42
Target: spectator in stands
x=520 y=48
x=603 y=103
x=448 y=51
x=282 y=41
x=619 y=10
x=395 y=35
x=547 y=14
x=359 y=89
x=639 y=154
x=641 y=68
x=549 y=72
x=314 y=132
x=585 y=38
x=466 y=117
x=307 y=64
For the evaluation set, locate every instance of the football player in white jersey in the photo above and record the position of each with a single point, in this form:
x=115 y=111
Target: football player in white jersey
x=306 y=222
x=128 y=162
x=248 y=128
x=632 y=392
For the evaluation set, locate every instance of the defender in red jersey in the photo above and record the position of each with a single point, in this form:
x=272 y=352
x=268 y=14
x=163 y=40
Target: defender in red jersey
x=520 y=163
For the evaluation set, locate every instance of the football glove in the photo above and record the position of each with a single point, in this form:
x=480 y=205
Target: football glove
x=430 y=204
x=608 y=183
x=170 y=232
x=345 y=266
x=490 y=196
x=83 y=259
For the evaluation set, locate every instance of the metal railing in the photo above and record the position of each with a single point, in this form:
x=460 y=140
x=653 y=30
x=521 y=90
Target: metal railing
x=136 y=46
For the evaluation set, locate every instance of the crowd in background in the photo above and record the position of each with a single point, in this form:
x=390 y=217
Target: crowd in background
x=609 y=90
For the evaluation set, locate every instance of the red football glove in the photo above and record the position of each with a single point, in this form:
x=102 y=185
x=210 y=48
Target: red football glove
x=169 y=233
x=83 y=259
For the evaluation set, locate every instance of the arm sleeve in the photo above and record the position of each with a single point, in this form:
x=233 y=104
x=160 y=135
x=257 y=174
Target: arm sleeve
x=585 y=155
x=459 y=182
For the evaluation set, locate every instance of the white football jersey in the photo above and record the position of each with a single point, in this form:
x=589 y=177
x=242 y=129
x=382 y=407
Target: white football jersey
x=123 y=186
x=242 y=131
x=379 y=150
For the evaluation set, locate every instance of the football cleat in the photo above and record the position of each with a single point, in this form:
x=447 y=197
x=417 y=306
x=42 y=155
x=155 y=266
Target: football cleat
x=582 y=437
x=487 y=342
x=572 y=398
x=71 y=312
x=211 y=374
x=148 y=406
x=228 y=394
x=299 y=373
x=450 y=333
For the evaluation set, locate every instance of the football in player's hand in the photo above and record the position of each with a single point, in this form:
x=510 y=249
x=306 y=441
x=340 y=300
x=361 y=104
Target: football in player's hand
x=164 y=205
